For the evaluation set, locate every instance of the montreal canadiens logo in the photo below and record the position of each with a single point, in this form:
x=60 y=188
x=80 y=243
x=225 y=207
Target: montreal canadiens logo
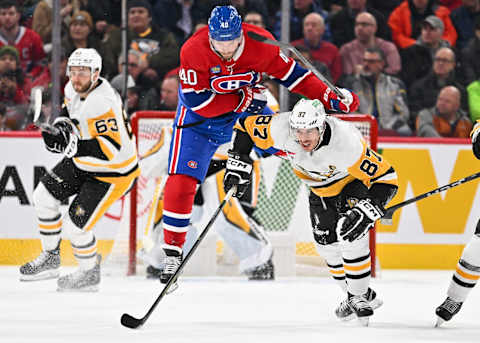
x=229 y=83
x=192 y=164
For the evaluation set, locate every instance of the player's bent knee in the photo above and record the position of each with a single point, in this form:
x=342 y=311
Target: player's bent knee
x=44 y=202
x=358 y=247
x=330 y=252
x=75 y=234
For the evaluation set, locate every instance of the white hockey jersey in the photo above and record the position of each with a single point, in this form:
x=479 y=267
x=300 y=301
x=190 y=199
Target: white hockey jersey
x=100 y=116
x=342 y=157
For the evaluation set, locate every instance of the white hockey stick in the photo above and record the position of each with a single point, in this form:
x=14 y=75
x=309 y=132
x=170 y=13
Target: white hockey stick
x=37 y=111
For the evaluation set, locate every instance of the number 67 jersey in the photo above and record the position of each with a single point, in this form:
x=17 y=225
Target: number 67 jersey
x=107 y=145
x=340 y=158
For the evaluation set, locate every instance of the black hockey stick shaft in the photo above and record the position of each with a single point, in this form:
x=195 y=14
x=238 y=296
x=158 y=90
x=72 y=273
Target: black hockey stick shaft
x=302 y=58
x=387 y=218
x=134 y=323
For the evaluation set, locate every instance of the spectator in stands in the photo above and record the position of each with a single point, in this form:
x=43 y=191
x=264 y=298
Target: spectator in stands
x=254 y=18
x=473 y=92
x=381 y=95
x=12 y=96
x=106 y=15
x=169 y=94
x=470 y=57
x=320 y=66
x=44 y=80
x=10 y=60
x=180 y=17
x=80 y=36
x=245 y=6
x=23 y=39
x=298 y=10
x=320 y=50
x=407 y=19
x=158 y=43
x=450 y=4
x=343 y=23
x=463 y=19
x=431 y=35
x=352 y=52
x=385 y=7
x=132 y=92
x=144 y=87
x=43 y=20
x=423 y=93
x=445 y=119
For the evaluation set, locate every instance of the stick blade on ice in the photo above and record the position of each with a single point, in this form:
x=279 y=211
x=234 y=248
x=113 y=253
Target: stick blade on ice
x=130 y=322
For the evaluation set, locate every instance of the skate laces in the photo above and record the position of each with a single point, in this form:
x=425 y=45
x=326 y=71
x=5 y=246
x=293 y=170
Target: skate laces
x=171 y=264
x=451 y=305
x=358 y=302
x=41 y=259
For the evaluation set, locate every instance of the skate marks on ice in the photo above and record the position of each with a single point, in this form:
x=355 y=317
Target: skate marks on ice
x=219 y=309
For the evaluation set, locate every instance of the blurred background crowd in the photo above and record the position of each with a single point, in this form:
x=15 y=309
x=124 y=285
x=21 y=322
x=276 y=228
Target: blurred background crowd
x=412 y=63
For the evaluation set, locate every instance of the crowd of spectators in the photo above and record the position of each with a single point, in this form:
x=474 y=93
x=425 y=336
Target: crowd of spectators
x=413 y=63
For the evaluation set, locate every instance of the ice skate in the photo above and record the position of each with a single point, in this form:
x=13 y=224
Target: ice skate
x=81 y=280
x=45 y=266
x=447 y=310
x=345 y=313
x=265 y=271
x=361 y=307
x=172 y=262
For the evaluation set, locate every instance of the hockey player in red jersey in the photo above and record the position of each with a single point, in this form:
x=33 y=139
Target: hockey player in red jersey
x=220 y=67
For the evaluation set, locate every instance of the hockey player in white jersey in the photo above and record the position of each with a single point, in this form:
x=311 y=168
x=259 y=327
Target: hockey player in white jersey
x=467 y=272
x=235 y=225
x=99 y=165
x=349 y=186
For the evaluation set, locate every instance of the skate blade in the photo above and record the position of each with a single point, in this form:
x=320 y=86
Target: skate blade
x=88 y=289
x=45 y=275
x=376 y=303
x=439 y=322
x=347 y=318
x=364 y=321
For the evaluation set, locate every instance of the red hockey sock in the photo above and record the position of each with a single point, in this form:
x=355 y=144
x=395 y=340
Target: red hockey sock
x=178 y=200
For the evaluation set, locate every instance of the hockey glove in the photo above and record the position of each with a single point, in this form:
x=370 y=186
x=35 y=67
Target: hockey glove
x=62 y=140
x=358 y=220
x=237 y=173
x=252 y=100
x=348 y=104
x=476 y=141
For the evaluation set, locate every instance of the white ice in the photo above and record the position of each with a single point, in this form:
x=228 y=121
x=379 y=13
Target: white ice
x=222 y=309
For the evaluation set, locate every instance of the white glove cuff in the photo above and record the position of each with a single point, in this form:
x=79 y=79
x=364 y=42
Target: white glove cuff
x=369 y=210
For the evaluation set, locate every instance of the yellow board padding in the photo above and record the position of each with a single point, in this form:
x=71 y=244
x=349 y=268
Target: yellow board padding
x=419 y=256
x=20 y=251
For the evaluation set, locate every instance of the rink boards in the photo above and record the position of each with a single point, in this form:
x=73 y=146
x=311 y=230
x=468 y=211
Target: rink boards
x=429 y=234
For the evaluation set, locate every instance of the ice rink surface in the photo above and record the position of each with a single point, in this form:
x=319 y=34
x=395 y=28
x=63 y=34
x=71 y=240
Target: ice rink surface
x=221 y=309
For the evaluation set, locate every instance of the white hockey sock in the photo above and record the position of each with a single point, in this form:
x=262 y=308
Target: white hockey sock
x=49 y=217
x=84 y=247
x=357 y=265
x=333 y=256
x=467 y=273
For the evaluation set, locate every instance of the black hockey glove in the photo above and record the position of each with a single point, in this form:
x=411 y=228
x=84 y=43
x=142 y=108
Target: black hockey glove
x=476 y=144
x=237 y=173
x=63 y=138
x=358 y=220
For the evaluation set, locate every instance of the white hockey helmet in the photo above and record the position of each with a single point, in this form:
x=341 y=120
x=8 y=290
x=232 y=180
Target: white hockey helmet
x=83 y=57
x=308 y=114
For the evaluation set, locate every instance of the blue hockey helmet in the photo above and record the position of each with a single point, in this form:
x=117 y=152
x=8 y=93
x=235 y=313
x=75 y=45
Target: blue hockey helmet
x=224 y=23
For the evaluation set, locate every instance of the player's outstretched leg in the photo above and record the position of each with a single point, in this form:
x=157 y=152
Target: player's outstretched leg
x=45 y=266
x=345 y=312
x=173 y=260
x=81 y=280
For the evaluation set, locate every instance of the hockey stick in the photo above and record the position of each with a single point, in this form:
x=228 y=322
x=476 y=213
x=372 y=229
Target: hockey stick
x=387 y=218
x=132 y=322
x=37 y=111
x=297 y=53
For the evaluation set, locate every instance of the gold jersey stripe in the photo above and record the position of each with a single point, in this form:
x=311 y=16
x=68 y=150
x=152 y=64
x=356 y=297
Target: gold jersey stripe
x=110 y=166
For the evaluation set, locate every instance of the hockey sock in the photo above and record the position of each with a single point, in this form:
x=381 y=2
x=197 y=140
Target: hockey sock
x=333 y=256
x=468 y=271
x=84 y=247
x=357 y=264
x=178 y=202
x=49 y=217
